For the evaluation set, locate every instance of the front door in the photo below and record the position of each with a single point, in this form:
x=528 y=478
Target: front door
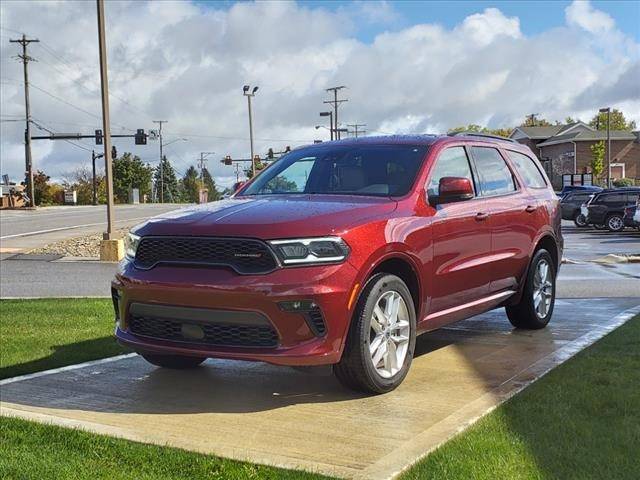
x=461 y=240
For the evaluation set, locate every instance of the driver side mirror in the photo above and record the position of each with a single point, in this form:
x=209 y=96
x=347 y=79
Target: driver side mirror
x=453 y=189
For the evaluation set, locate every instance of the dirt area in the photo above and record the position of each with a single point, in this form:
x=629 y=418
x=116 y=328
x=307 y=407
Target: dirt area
x=84 y=246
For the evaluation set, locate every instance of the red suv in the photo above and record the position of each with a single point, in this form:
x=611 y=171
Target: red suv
x=341 y=253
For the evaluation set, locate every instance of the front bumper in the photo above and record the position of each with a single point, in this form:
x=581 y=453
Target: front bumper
x=218 y=289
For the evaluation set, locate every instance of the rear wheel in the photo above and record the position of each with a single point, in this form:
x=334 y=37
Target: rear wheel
x=614 y=223
x=177 y=362
x=381 y=338
x=580 y=220
x=536 y=305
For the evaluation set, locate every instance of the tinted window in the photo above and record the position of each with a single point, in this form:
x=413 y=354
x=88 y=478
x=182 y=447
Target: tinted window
x=452 y=162
x=579 y=197
x=495 y=178
x=612 y=198
x=528 y=170
x=378 y=170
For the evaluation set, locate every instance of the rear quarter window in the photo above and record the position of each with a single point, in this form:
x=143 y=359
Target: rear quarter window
x=528 y=170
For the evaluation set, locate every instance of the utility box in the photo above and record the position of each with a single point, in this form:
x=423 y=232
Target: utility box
x=134 y=196
x=70 y=197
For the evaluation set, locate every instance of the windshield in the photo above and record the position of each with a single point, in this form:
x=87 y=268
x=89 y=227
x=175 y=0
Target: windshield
x=373 y=170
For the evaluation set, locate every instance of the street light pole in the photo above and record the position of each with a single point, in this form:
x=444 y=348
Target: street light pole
x=608 y=110
x=330 y=115
x=250 y=95
x=106 y=127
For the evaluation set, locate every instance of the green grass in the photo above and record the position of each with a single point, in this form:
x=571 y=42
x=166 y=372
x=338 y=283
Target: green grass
x=581 y=421
x=35 y=451
x=42 y=334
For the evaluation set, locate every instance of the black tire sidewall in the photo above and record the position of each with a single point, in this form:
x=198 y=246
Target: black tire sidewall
x=580 y=224
x=375 y=289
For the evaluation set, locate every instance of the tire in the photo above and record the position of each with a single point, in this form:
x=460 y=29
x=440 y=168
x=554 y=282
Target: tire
x=356 y=368
x=580 y=220
x=614 y=223
x=174 y=362
x=526 y=314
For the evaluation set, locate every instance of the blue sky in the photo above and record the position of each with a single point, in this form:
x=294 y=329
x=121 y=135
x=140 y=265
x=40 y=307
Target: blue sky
x=535 y=16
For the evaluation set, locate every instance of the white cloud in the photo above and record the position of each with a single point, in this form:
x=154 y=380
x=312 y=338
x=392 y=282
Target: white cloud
x=187 y=63
x=580 y=13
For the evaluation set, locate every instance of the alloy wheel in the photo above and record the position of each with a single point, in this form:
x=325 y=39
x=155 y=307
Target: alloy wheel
x=389 y=334
x=615 y=223
x=542 y=289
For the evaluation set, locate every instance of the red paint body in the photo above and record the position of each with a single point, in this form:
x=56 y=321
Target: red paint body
x=468 y=257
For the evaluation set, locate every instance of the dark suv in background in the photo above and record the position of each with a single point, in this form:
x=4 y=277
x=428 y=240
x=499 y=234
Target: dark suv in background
x=341 y=253
x=571 y=203
x=607 y=207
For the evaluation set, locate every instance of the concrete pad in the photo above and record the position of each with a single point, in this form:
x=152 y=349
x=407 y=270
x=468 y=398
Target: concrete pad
x=281 y=416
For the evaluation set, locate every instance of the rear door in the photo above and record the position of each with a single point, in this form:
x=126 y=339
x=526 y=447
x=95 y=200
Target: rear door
x=513 y=218
x=461 y=239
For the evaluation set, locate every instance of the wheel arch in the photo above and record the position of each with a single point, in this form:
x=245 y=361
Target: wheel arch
x=550 y=244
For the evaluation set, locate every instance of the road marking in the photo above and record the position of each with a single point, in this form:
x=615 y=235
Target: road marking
x=77 y=366
x=71 y=227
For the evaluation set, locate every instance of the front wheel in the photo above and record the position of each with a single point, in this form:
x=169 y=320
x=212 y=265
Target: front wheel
x=615 y=223
x=381 y=338
x=580 y=220
x=536 y=305
x=176 y=362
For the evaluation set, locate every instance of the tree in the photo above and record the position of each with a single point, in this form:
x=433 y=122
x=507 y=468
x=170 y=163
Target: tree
x=130 y=172
x=46 y=193
x=259 y=166
x=210 y=184
x=532 y=121
x=81 y=180
x=618 y=121
x=170 y=187
x=503 y=132
x=597 y=158
x=190 y=185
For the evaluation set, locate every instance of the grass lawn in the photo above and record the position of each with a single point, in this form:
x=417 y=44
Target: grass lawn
x=42 y=334
x=582 y=420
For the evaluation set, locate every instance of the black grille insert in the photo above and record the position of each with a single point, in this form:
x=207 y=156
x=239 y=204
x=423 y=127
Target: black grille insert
x=245 y=256
x=218 y=334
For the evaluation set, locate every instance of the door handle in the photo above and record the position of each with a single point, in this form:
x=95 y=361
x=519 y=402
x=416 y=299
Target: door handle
x=530 y=209
x=480 y=216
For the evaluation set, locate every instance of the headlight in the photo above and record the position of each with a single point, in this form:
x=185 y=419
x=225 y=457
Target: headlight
x=304 y=251
x=131 y=242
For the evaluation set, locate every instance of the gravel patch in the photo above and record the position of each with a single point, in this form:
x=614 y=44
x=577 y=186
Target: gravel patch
x=85 y=246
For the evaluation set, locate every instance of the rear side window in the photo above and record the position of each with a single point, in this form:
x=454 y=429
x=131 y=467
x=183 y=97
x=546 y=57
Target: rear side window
x=633 y=197
x=580 y=197
x=452 y=162
x=495 y=178
x=612 y=198
x=528 y=170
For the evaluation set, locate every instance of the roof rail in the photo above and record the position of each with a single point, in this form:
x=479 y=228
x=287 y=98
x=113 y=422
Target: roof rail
x=480 y=134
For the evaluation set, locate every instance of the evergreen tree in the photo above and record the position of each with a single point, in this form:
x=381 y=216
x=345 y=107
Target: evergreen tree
x=210 y=184
x=130 y=172
x=190 y=185
x=171 y=191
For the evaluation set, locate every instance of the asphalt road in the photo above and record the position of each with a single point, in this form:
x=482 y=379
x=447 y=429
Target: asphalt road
x=23 y=230
x=30 y=276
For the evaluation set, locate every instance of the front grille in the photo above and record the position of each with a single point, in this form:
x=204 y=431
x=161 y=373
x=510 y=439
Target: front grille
x=224 y=335
x=245 y=256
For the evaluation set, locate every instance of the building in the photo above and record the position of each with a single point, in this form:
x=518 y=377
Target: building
x=566 y=149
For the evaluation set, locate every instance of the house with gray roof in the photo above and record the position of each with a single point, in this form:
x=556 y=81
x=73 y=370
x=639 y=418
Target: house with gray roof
x=566 y=149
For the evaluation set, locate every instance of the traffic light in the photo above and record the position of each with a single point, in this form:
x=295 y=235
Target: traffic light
x=114 y=153
x=270 y=154
x=98 y=137
x=140 y=137
x=227 y=160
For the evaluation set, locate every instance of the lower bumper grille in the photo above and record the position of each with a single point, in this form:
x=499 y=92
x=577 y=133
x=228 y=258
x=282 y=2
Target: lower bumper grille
x=215 y=334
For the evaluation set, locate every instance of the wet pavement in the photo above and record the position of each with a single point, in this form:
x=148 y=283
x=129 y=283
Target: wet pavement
x=281 y=416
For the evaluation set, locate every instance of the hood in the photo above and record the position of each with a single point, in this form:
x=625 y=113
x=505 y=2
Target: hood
x=270 y=217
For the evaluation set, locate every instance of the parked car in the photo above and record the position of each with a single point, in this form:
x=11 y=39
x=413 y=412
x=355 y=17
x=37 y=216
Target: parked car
x=607 y=207
x=632 y=215
x=574 y=188
x=341 y=253
x=571 y=203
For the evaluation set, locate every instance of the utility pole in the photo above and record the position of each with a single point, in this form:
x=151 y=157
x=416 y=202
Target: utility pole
x=24 y=41
x=106 y=127
x=335 y=102
x=245 y=92
x=355 y=127
x=160 y=122
x=532 y=119
x=202 y=163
